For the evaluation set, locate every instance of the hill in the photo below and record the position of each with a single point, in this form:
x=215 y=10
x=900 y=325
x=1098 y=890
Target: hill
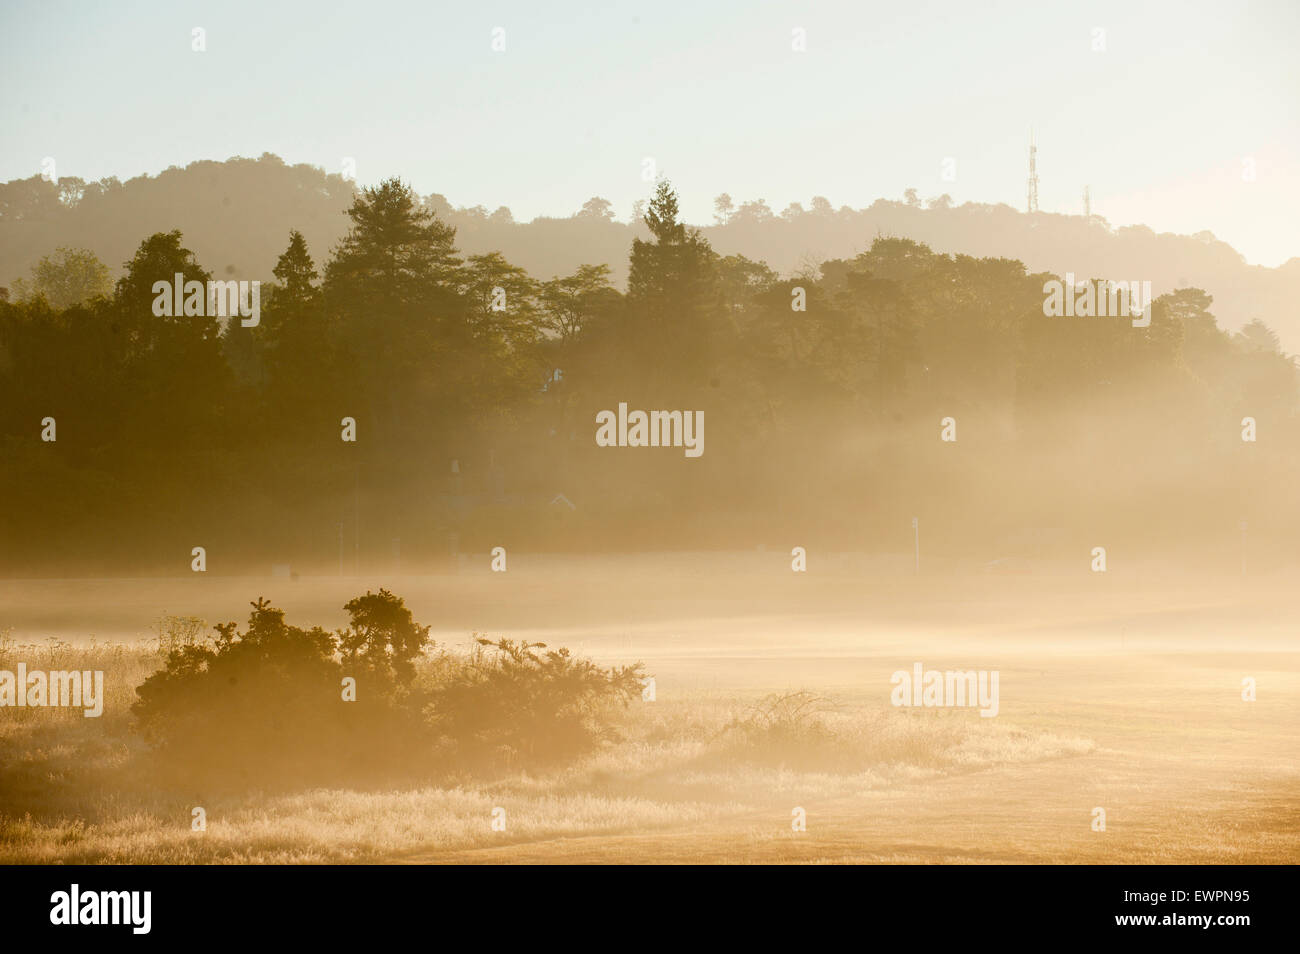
x=236 y=215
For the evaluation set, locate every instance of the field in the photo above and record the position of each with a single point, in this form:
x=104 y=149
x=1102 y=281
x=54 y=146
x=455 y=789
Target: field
x=1120 y=691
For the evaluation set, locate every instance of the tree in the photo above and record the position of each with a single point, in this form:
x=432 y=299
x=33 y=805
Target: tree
x=1265 y=377
x=437 y=203
x=295 y=333
x=295 y=271
x=71 y=190
x=661 y=218
x=501 y=301
x=569 y=304
x=722 y=208
x=180 y=378
x=71 y=276
x=161 y=257
x=394 y=289
x=1257 y=336
x=672 y=287
x=755 y=211
x=29 y=199
x=602 y=210
x=740 y=280
x=396 y=250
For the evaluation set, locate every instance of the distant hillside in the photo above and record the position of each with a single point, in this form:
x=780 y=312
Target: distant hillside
x=236 y=216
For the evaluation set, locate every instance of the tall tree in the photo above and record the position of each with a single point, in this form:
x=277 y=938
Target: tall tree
x=180 y=378
x=393 y=287
x=499 y=357
x=672 y=290
x=722 y=208
x=295 y=333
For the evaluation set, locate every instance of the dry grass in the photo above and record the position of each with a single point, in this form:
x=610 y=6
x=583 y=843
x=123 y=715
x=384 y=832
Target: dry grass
x=78 y=790
x=711 y=771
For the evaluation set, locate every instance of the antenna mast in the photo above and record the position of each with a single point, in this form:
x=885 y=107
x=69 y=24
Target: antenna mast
x=1033 y=173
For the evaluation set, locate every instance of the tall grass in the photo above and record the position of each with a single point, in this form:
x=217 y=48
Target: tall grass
x=74 y=789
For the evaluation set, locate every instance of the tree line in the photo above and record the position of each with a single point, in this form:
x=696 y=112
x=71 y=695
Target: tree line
x=474 y=385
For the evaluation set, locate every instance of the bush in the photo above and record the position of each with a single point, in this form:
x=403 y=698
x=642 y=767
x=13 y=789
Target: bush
x=268 y=703
x=509 y=703
x=266 y=706
x=382 y=638
x=783 y=729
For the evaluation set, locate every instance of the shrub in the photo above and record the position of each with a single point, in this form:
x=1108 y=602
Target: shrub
x=265 y=706
x=510 y=703
x=382 y=637
x=267 y=703
x=783 y=729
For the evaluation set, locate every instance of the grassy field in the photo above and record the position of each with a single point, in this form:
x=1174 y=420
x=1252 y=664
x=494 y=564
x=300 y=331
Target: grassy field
x=1130 y=701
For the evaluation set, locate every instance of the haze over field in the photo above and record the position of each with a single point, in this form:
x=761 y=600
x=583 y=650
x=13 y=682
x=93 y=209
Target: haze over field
x=1120 y=692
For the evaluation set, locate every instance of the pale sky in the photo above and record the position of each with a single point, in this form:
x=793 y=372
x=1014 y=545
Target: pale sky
x=1161 y=124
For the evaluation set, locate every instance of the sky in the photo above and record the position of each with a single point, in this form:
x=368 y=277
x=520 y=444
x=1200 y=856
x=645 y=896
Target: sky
x=1185 y=120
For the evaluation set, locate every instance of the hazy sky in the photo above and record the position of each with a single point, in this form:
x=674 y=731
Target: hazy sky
x=1160 y=124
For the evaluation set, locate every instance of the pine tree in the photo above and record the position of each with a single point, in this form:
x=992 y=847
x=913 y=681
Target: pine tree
x=295 y=270
x=673 y=293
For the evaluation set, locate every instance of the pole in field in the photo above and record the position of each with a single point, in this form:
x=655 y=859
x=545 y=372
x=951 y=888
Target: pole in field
x=1243 y=548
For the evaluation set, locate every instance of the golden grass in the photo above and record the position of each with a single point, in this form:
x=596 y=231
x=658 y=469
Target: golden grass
x=78 y=790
